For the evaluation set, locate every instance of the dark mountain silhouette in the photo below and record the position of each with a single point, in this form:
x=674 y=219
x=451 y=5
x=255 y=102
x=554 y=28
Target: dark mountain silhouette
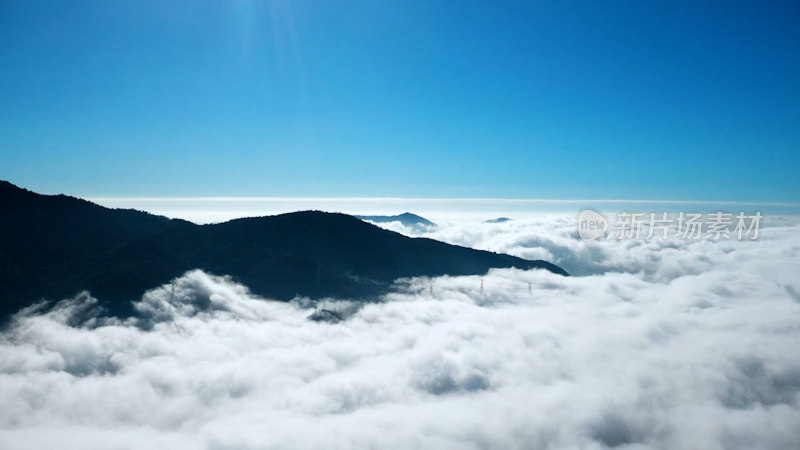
x=407 y=219
x=53 y=247
x=498 y=220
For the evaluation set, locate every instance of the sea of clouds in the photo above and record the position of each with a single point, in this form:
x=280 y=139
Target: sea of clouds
x=651 y=344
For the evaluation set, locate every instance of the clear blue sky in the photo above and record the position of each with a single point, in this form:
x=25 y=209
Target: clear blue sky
x=656 y=100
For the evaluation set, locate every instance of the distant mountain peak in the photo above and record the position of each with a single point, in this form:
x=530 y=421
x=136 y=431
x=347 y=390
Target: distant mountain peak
x=408 y=219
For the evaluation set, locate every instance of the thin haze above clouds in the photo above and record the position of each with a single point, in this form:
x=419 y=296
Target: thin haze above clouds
x=219 y=209
x=660 y=344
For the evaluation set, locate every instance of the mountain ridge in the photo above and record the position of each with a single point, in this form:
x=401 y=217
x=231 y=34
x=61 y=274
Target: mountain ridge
x=54 y=246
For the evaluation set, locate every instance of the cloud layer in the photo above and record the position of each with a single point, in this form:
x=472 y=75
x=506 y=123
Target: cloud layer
x=662 y=344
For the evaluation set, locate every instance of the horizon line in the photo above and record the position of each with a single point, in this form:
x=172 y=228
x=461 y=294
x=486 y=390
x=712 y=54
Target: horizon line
x=437 y=199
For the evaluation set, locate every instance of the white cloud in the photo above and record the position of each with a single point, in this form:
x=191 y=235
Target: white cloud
x=659 y=345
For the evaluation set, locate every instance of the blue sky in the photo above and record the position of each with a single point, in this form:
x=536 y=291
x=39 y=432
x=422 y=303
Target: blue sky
x=587 y=100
